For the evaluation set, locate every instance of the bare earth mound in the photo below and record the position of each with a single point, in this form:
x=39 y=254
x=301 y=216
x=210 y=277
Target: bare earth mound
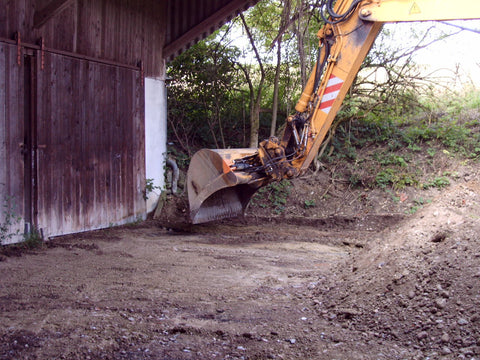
x=415 y=288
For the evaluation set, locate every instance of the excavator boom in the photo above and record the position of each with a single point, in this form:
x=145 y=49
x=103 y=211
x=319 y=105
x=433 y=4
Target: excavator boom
x=221 y=182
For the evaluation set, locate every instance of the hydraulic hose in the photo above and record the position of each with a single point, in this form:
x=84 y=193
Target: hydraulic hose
x=334 y=17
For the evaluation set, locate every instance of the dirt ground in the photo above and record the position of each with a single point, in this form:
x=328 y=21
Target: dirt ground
x=343 y=283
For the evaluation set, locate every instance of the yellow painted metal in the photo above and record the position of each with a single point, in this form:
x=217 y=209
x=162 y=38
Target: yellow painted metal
x=353 y=40
x=215 y=191
x=419 y=10
x=306 y=96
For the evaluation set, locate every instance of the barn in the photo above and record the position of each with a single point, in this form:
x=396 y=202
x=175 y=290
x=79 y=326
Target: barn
x=83 y=106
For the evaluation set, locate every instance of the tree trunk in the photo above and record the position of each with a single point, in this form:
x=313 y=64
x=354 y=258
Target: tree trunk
x=273 y=125
x=283 y=23
x=255 y=97
x=300 y=33
x=254 y=125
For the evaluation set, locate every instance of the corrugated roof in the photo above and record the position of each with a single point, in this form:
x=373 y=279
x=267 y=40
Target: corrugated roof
x=190 y=21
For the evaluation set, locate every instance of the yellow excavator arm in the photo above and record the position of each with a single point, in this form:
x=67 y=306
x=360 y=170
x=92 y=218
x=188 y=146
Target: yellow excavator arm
x=220 y=183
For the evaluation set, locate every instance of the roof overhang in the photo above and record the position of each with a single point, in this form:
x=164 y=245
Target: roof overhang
x=187 y=24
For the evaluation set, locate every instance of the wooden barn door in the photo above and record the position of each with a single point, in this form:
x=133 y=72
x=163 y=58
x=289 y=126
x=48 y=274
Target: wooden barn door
x=12 y=148
x=90 y=140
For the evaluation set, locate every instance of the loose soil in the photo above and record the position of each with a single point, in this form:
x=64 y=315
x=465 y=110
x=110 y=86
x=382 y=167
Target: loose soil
x=360 y=275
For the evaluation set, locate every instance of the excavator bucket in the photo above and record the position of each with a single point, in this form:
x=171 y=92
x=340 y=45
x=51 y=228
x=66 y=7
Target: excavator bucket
x=215 y=190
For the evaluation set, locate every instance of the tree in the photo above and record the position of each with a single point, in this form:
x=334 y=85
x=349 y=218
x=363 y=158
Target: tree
x=276 y=84
x=389 y=84
x=213 y=81
x=255 y=94
x=204 y=102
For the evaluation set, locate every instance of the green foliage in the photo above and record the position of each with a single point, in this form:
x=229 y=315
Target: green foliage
x=32 y=240
x=413 y=209
x=431 y=152
x=309 y=203
x=210 y=96
x=437 y=182
x=475 y=154
x=182 y=159
x=460 y=138
x=354 y=180
x=392 y=159
x=450 y=120
x=414 y=147
x=457 y=131
x=149 y=187
x=349 y=151
x=206 y=107
x=385 y=177
x=434 y=132
x=417 y=205
x=274 y=195
x=394 y=196
x=395 y=178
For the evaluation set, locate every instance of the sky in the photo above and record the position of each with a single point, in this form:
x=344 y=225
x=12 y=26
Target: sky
x=460 y=51
x=455 y=55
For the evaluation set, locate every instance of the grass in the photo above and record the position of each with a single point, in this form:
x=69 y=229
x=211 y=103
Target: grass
x=406 y=148
x=33 y=240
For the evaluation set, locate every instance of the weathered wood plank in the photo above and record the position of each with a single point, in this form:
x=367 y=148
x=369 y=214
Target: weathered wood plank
x=91 y=169
x=86 y=170
x=54 y=8
x=4 y=86
x=11 y=134
x=124 y=31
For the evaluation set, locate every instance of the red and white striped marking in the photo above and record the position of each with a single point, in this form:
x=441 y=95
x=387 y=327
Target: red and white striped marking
x=331 y=92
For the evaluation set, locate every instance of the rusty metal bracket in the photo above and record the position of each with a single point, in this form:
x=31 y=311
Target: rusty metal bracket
x=18 y=40
x=42 y=53
x=142 y=72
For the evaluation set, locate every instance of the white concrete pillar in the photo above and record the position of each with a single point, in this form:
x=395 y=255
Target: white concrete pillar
x=155 y=137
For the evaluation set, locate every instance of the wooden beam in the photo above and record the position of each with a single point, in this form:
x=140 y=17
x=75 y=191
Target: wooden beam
x=206 y=27
x=54 y=8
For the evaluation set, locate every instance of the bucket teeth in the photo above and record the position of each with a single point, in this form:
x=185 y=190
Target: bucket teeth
x=215 y=191
x=225 y=203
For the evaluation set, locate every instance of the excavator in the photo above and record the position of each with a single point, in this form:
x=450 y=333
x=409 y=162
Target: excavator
x=221 y=182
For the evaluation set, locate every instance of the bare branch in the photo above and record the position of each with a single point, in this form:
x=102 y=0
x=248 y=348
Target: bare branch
x=252 y=42
x=461 y=27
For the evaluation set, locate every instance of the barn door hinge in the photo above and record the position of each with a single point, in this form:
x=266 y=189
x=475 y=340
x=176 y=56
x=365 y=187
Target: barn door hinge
x=18 y=39
x=142 y=72
x=42 y=53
